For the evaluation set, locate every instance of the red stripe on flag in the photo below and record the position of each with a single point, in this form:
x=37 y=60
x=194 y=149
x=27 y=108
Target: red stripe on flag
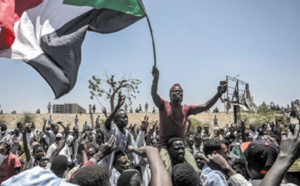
x=10 y=12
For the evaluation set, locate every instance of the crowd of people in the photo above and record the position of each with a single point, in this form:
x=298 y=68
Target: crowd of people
x=157 y=153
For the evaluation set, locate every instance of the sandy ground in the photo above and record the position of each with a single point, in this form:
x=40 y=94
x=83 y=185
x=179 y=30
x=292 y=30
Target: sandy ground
x=12 y=119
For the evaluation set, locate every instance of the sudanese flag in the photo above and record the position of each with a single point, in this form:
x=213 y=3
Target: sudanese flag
x=48 y=34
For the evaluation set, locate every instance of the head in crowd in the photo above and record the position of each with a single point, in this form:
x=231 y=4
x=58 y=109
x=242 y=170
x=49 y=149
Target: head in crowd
x=190 y=141
x=260 y=156
x=93 y=175
x=206 y=128
x=58 y=137
x=183 y=174
x=175 y=148
x=199 y=160
x=17 y=131
x=28 y=127
x=90 y=137
x=38 y=152
x=264 y=128
x=176 y=94
x=90 y=151
x=20 y=125
x=3 y=129
x=222 y=132
x=214 y=145
x=197 y=141
x=55 y=129
x=59 y=166
x=121 y=161
x=121 y=119
x=130 y=177
x=293 y=177
x=231 y=130
x=99 y=138
x=252 y=127
x=199 y=129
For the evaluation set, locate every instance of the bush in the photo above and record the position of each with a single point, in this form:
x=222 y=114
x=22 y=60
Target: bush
x=2 y=120
x=195 y=123
x=27 y=118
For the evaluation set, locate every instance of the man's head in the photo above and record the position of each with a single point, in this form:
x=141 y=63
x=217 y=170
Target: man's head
x=199 y=129
x=55 y=129
x=3 y=128
x=121 y=119
x=38 y=152
x=260 y=156
x=59 y=166
x=130 y=177
x=5 y=148
x=96 y=175
x=28 y=127
x=190 y=141
x=176 y=94
x=176 y=149
x=58 y=137
x=121 y=162
x=17 y=131
x=199 y=157
x=197 y=140
x=184 y=174
x=214 y=145
x=206 y=128
x=252 y=127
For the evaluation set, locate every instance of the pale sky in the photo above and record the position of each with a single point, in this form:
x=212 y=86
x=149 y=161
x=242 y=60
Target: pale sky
x=198 y=43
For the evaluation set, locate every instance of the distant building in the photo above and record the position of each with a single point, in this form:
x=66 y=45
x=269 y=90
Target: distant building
x=68 y=108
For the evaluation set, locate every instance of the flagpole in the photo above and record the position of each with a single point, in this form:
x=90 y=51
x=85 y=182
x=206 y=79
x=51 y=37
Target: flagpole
x=152 y=37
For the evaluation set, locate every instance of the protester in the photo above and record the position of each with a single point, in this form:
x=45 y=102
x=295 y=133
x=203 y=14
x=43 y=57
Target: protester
x=173 y=116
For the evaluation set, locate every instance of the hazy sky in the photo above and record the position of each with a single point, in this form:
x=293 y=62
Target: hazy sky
x=198 y=43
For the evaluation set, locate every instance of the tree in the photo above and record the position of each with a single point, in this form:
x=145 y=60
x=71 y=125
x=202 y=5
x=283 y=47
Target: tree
x=128 y=85
x=27 y=118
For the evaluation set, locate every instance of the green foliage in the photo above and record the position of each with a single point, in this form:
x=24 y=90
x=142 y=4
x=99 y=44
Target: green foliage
x=27 y=118
x=111 y=87
x=195 y=123
x=2 y=120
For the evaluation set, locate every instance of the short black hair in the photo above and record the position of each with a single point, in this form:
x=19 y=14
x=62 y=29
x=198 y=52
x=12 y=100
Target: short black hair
x=118 y=154
x=211 y=145
x=36 y=146
x=171 y=140
x=93 y=175
x=183 y=174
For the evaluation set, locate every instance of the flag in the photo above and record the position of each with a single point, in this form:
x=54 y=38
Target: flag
x=48 y=34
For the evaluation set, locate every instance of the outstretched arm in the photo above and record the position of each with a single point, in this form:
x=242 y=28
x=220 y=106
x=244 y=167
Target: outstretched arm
x=221 y=90
x=155 y=96
x=109 y=119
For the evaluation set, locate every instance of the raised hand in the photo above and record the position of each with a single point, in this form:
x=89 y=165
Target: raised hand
x=217 y=162
x=222 y=88
x=290 y=144
x=155 y=72
x=121 y=99
x=108 y=147
x=145 y=123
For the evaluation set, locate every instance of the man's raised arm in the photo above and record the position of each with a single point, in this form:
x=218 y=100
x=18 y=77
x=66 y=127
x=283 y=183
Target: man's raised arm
x=155 y=96
x=109 y=119
x=221 y=90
